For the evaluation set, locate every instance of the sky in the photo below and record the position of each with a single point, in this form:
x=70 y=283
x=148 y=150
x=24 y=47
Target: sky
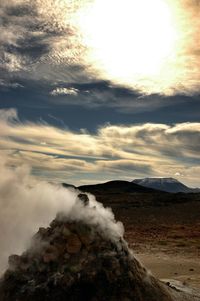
x=96 y=90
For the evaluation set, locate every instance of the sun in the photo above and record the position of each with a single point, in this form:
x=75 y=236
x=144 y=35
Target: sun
x=130 y=42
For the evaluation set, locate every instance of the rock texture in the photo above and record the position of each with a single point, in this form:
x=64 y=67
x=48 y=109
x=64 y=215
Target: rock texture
x=76 y=261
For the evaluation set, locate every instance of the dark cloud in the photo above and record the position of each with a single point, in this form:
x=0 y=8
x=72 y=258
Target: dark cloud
x=32 y=47
x=20 y=10
x=94 y=94
x=32 y=39
x=94 y=104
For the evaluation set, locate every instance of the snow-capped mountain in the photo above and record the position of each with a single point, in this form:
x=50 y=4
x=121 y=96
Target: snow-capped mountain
x=165 y=184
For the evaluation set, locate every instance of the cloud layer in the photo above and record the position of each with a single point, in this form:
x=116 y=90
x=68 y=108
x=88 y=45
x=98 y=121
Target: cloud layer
x=40 y=40
x=122 y=152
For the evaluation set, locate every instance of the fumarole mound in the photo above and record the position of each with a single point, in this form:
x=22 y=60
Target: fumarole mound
x=76 y=261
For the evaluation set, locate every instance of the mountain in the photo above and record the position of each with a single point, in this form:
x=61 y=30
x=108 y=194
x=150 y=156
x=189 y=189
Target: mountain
x=126 y=195
x=165 y=184
x=116 y=187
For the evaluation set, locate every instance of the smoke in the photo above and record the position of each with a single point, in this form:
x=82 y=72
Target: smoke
x=27 y=204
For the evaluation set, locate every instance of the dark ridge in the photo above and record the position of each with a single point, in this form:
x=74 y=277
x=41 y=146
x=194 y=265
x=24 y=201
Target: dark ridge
x=116 y=186
x=66 y=185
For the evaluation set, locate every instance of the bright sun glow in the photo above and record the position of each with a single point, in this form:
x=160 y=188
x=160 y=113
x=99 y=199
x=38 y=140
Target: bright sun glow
x=130 y=42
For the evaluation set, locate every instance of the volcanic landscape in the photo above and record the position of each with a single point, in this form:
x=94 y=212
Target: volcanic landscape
x=162 y=228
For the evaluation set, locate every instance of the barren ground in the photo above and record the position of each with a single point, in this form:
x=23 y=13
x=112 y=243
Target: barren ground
x=165 y=236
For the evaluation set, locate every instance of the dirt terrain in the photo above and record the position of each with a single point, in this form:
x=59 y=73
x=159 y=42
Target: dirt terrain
x=163 y=230
x=166 y=239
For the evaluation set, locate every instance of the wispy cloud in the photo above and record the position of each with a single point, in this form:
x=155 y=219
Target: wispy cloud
x=64 y=91
x=41 y=40
x=111 y=152
x=38 y=39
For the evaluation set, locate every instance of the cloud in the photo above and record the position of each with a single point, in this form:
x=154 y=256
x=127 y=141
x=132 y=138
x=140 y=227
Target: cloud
x=114 y=151
x=65 y=91
x=40 y=40
x=93 y=96
x=96 y=94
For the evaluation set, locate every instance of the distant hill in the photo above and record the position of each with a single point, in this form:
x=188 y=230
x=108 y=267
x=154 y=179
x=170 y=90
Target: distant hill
x=165 y=184
x=123 y=195
x=116 y=187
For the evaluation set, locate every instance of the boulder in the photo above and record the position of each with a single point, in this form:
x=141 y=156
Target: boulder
x=73 y=244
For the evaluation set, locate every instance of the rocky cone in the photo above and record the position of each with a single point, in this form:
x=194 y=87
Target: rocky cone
x=75 y=261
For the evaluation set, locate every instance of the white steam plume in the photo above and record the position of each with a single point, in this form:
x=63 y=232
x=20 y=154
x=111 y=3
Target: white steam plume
x=27 y=204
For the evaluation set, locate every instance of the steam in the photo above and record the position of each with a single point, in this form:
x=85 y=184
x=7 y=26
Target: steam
x=27 y=204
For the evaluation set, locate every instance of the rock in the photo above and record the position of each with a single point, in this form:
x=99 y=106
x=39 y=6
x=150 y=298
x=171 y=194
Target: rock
x=73 y=244
x=84 y=198
x=24 y=265
x=42 y=231
x=60 y=248
x=14 y=261
x=66 y=232
x=48 y=257
x=51 y=254
x=85 y=240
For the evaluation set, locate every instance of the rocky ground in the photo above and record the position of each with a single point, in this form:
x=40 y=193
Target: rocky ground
x=183 y=268
x=164 y=235
x=163 y=230
x=78 y=260
x=71 y=260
